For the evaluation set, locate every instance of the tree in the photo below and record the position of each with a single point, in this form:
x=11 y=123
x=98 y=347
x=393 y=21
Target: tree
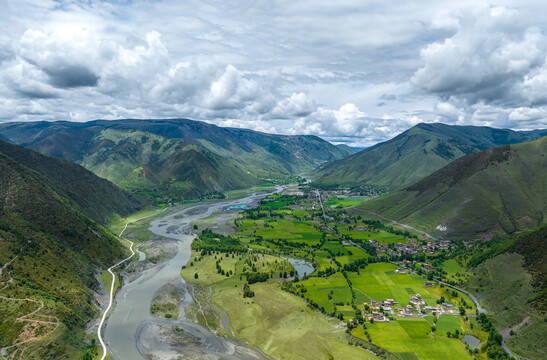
x=195 y=275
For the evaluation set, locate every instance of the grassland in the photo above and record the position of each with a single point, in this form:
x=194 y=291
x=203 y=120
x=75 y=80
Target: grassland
x=282 y=326
x=505 y=295
x=277 y=322
x=451 y=266
x=412 y=337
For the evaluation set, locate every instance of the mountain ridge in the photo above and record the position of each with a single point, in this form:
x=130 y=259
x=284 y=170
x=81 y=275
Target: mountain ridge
x=416 y=153
x=495 y=192
x=261 y=153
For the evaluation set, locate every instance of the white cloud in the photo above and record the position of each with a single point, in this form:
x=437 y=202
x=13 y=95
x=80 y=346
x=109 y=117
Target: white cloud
x=485 y=60
x=359 y=71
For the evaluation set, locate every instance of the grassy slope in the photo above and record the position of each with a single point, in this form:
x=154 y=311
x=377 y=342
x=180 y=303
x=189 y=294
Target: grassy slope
x=500 y=191
x=504 y=287
x=140 y=161
x=263 y=154
x=415 y=154
x=96 y=197
x=56 y=251
x=282 y=326
x=512 y=286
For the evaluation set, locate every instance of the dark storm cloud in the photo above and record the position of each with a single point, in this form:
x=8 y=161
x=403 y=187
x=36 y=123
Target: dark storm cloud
x=69 y=76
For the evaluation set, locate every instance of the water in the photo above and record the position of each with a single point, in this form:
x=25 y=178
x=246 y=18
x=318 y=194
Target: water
x=236 y=207
x=131 y=317
x=302 y=267
x=472 y=341
x=142 y=255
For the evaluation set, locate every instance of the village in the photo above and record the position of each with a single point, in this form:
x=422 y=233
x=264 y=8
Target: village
x=417 y=307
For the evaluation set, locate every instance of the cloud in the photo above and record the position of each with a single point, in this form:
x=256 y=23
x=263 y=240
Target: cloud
x=486 y=60
x=231 y=90
x=277 y=67
x=296 y=105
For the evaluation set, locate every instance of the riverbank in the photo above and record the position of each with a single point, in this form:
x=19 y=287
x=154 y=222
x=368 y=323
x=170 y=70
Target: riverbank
x=132 y=332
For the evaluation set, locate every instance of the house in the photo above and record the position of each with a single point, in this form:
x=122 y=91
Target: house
x=428 y=284
x=427 y=267
x=375 y=304
x=447 y=307
x=416 y=299
x=373 y=242
x=407 y=310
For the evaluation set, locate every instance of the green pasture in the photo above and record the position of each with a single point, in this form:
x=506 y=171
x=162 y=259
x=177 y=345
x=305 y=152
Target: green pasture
x=345 y=201
x=412 y=336
x=381 y=236
x=451 y=266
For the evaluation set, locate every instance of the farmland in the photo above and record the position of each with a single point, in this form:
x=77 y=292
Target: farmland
x=347 y=291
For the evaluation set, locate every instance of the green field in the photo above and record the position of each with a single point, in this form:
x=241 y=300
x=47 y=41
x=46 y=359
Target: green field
x=382 y=236
x=345 y=201
x=448 y=323
x=451 y=266
x=413 y=337
x=279 y=229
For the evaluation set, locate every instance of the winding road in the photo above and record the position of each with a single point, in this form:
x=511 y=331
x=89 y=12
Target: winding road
x=105 y=351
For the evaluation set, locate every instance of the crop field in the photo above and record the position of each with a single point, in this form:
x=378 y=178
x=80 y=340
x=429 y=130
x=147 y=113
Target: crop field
x=411 y=339
x=382 y=236
x=379 y=282
x=318 y=289
x=345 y=201
x=294 y=231
x=448 y=323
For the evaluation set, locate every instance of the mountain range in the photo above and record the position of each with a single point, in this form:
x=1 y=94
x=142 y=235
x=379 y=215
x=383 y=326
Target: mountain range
x=497 y=192
x=175 y=157
x=416 y=153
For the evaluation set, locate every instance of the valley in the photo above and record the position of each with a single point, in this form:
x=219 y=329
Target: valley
x=243 y=288
x=215 y=261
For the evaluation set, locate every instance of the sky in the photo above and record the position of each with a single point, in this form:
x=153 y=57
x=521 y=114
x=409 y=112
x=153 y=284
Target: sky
x=353 y=72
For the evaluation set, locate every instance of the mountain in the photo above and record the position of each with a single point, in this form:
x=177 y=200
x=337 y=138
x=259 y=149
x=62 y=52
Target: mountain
x=94 y=196
x=143 y=162
x=416 y=153
x=50 y=252
x=262 y=154
x=493 y=193
x=509 y=277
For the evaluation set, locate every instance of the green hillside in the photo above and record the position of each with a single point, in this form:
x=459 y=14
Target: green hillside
x=96 y=197
x=509 y=279
x=49 y=254
x=262 y=154
x=415 y=154
x=143 y=162
x=496 y=192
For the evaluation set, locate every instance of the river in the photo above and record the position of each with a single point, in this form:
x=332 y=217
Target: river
x=131 y=317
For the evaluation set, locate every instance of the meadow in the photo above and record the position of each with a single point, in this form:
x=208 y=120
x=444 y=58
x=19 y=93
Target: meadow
x=411 y=339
